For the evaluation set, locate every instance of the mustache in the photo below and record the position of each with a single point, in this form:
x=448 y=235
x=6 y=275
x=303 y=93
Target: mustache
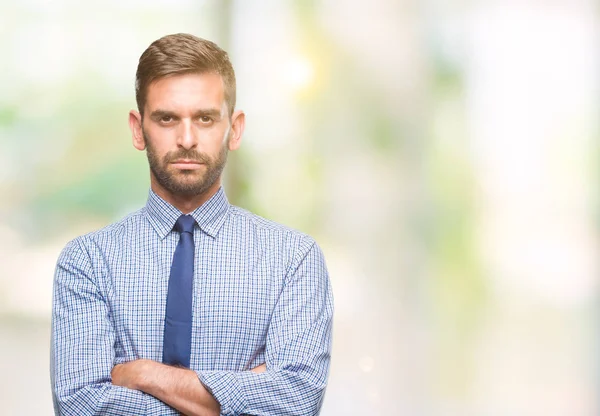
x=190 y=154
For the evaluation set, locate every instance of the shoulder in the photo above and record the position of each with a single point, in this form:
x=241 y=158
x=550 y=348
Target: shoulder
x=111 y=234
x=118 y=228
x=290 y=244
x=304 y=264
x=244 y=219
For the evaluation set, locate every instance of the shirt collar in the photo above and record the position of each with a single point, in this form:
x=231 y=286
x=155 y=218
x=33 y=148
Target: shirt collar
x=209 y=216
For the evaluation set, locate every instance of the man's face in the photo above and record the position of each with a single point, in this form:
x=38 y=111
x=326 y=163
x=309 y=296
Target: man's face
x=185 y=181
x=186 y=129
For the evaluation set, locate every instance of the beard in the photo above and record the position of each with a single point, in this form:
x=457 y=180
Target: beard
x=186 y=182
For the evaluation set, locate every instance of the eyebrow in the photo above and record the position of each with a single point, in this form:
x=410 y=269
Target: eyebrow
x=210 y=112
x=158 y=114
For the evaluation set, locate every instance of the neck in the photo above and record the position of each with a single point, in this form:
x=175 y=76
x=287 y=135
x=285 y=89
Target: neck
x=185 y=203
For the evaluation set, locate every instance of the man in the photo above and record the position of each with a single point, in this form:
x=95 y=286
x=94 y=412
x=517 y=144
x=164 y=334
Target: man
x=190 y=305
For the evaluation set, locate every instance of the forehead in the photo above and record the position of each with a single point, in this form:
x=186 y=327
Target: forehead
x=187 y=92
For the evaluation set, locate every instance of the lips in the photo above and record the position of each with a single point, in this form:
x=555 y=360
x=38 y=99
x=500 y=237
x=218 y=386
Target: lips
x=187 y=161
x=187 y=164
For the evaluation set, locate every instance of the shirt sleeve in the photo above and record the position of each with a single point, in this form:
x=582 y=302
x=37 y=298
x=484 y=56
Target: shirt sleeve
x=297 y=352
x=82 y=353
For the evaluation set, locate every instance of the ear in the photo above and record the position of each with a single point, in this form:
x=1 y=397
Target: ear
x=135 y=124
x=238 y=122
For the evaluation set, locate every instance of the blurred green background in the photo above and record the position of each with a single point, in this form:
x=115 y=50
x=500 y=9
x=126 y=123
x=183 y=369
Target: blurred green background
x=443 y=154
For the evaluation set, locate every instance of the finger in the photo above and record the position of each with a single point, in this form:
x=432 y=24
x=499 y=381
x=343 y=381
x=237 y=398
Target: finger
x=260 y=369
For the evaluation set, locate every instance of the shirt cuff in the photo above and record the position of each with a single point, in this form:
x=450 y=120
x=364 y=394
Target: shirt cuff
x=226 y=389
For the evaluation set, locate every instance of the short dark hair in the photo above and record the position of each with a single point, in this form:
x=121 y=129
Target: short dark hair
x=181 y=54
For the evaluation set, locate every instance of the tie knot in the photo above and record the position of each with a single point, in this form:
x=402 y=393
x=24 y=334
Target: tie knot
x=185 y=224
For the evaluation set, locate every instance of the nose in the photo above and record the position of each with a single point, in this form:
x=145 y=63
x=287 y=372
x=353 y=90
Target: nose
x=186 y=136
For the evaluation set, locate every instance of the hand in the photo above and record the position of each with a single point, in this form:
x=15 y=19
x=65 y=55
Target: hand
x=178 y=387
x=260 y=369
x=130 y=374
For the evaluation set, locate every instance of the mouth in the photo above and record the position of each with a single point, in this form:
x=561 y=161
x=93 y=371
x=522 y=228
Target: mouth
x=186 y=164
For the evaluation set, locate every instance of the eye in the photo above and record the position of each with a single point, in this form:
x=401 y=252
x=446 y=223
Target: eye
x=205 y=119
x=166 y=119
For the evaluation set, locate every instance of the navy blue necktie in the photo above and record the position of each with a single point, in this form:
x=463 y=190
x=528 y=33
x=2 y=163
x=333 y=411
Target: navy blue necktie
x=178 y=318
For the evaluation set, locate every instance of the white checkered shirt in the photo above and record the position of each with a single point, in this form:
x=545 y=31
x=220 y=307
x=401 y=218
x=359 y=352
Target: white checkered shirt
x=261 y=295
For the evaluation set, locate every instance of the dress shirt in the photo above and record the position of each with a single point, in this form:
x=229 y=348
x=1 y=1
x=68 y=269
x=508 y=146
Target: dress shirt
x=261 y=295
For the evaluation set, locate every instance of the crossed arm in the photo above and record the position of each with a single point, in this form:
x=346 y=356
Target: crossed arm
x=180 y=388
x=87 y=382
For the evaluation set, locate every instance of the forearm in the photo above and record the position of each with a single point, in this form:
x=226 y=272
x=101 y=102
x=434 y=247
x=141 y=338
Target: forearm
x=273 y=393
x=180 y=388
x=82 y=347
x=297 y=353
x=106 y=399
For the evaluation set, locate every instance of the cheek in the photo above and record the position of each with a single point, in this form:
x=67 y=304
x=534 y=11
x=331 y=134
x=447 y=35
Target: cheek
x=160 y=141
x=220 y=140
x=211 y=141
